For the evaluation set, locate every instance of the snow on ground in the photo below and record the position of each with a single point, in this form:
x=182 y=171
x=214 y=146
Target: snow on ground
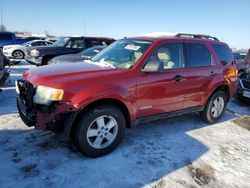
x=177 y=152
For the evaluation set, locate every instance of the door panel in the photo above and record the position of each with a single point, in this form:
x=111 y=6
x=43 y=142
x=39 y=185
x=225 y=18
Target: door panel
x=159 y=93
x=197 y=82
x=200 y=72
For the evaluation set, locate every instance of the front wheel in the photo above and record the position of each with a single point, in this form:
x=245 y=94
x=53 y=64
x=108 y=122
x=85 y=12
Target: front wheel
x=100 y=131
x=18 y=54
x=215 y=107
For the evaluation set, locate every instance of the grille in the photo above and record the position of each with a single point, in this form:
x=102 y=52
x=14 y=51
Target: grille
x=27 y=92
x=246 y=84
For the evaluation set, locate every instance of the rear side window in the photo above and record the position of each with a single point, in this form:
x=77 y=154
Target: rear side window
x=93 y=42
x=197 y=55
x=76 y=43
x=223 y=53
x=5 y=37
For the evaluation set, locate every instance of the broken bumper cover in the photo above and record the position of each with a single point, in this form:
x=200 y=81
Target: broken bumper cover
x=52 y=117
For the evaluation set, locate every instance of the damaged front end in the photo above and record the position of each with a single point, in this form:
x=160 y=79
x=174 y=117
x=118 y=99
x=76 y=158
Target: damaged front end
x=52 y=116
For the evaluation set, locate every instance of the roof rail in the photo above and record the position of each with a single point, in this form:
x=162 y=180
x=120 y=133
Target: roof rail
x=196 y=36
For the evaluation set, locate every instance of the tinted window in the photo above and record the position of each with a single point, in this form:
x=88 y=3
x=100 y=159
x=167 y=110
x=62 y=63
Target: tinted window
x=76 y=43
x=223 y=53
x=168 y=56
x=93 y=42
x=36 y=43
x=197 y=55
x=5 y=37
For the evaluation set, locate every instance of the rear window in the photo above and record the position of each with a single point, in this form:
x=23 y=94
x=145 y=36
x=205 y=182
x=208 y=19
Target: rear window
x=5 y=37
x=224 y=54
x=198 y=55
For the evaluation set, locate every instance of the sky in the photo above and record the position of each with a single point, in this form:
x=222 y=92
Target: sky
x=229 y=20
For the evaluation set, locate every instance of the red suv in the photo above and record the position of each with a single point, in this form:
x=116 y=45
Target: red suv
x=132 y=81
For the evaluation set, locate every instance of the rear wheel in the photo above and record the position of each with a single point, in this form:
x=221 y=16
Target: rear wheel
x=18 y=54
x=215 y=107
x=100 y=131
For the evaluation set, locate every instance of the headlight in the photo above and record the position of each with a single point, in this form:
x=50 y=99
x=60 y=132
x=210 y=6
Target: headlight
x=7 y=48
x=34 y=53
x=45 y=95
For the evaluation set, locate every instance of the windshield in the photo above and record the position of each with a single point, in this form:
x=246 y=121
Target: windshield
x=123 y=53
x=90 y=52
x=240 y=56
x=26 y=43
x=61 y=41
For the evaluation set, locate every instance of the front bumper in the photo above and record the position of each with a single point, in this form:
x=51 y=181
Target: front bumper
x=51 y=117
x=241 y=89
x=34 y=60
x=7 y=53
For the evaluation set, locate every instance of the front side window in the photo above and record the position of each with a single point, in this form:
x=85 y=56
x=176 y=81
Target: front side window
x=38 y=43
x=123 y=53
x=198 y=55
x=61 y=41
x=223 y=53
x=167 y=56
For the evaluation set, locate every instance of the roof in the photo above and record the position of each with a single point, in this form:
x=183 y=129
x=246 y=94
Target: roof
x=166 y=35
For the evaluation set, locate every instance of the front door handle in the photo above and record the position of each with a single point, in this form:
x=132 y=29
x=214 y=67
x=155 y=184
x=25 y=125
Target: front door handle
x=212 y=73
x=178 y=78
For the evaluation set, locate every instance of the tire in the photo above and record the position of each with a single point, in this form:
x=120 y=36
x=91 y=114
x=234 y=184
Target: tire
x=18 y=54
x=94 y=142
x=46 y=60
x=209 y=114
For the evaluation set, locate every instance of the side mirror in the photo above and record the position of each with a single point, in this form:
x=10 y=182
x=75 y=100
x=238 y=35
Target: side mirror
x=153 y=66
x=223 y=62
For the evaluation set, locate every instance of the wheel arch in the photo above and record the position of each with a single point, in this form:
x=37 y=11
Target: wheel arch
x=47 y=58
x=222 y=87
x=16 y=50
x=71 y=126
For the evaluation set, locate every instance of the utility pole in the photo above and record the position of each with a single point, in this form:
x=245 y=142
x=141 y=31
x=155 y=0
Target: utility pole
x=1 y=16
x=84 y=27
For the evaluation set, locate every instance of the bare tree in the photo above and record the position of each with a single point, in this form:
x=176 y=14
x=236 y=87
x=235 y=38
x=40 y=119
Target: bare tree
x=2 y=28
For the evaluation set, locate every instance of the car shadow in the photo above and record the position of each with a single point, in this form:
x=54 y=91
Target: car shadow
x=148 y=152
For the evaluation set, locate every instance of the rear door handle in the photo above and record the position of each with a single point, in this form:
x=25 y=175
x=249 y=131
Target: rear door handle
x=178 y=78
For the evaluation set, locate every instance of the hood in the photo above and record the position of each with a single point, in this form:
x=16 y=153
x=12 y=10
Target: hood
x=58 y=75
x=13 y=46
x=67 y=58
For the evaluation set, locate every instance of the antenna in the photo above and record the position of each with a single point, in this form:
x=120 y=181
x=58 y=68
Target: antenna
x=84 y=27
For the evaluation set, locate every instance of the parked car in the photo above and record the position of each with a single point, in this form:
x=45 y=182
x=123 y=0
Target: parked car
x=8 y=38
x=243 y=89
x=4 y=73
x=131 y=81
x=74 y=58
x=240 y=57
x=64 y=45
x=17 y=51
